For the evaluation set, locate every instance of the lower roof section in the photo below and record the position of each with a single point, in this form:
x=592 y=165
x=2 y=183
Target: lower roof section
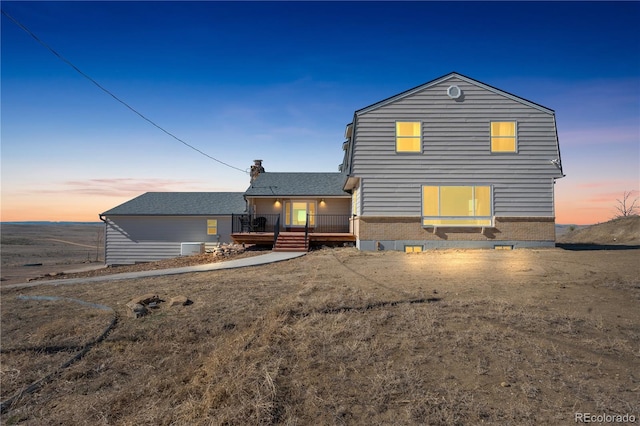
x=310 y=184
x=181 y=204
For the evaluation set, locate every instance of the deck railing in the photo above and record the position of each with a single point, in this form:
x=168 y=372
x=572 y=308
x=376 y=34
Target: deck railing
x=306 y=229
x=254 y=223
x=276 y=231
x=329 y=223
x=325 y=223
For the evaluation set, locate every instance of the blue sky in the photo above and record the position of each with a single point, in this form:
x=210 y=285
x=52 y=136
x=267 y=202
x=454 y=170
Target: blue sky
x=280 y=80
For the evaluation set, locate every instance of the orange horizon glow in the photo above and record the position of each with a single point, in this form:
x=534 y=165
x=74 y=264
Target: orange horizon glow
x=574 y=208
x=53 y=209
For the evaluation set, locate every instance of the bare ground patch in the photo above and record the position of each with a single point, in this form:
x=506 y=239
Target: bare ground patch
x=345 y=337
x=45 y=252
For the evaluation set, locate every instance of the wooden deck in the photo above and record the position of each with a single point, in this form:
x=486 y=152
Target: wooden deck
x=266 y=238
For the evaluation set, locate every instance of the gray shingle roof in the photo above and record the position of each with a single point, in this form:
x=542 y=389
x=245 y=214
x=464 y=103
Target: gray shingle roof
x=181 y=204
x=446 y=77
x=297 y=184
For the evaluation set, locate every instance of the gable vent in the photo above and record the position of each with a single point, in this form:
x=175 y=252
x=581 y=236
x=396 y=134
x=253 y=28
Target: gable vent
x=454 y=92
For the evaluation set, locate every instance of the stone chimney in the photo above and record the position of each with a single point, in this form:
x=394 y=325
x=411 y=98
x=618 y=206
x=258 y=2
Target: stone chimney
x=256 y=169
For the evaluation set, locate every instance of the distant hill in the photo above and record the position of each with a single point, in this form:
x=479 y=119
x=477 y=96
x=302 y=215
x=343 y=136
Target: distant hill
x=624 y=231
x=563 y=229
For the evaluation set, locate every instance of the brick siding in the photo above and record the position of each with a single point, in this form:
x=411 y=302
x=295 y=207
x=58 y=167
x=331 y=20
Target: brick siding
x=410 y=228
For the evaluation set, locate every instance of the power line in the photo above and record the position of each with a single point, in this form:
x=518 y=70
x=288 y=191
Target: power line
x=63 y=59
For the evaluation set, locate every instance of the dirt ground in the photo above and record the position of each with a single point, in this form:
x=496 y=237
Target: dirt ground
x=336 y=337
x=45 y=252
x=29 y=251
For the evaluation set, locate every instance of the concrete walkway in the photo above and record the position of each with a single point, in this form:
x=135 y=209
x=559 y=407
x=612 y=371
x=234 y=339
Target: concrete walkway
x=263 y=259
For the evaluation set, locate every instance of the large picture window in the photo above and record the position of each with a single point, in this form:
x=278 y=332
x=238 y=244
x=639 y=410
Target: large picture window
x=503 y=136
x=408 y=136
x=456 y=205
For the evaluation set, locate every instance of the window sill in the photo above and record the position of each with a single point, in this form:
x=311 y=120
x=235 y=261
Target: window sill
x=469 y=228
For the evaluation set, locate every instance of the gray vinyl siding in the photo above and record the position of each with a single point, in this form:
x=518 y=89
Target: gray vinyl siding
x=456 y=150
x=134 y=239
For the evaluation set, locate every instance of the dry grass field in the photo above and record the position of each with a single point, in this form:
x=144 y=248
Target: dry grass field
x=32 y=250
x=336 y=337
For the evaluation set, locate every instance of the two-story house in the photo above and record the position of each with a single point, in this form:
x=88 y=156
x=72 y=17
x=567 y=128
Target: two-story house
x=451 y=163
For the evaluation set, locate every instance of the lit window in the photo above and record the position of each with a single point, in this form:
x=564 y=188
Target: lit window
x=295 y=213
x=503 y=136
x=413 y=249
x=456 y=205
x=354 y=201
x=212 y=226
x=408 y=137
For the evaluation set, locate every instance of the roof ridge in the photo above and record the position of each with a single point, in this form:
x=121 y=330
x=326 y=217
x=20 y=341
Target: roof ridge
x=447 y=77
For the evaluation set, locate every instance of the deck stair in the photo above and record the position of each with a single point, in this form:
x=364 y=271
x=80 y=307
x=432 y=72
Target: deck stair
x=291 y=241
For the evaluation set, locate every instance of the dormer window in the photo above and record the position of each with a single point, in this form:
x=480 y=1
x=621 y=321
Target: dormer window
x=408 y=136
x=503 y=136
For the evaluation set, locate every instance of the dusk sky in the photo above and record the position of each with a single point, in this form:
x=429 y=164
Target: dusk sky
x=279 y=82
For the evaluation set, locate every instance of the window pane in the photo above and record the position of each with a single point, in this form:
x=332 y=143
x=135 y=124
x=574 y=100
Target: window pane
x=354 y=204
x=503 y=144
x=212 y=226
x=456 y=201
x=296 y=213
x=413 y=249
x=408 y=144
x=483 y=201
x=300 y=217
x=503 y=128
x=299 y=213
x=430 y=201
x=408 y=128
x=287 y=213
x=458 y=205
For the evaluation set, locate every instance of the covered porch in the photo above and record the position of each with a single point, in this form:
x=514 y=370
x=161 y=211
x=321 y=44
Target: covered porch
x=295 y=210
x=265 y=229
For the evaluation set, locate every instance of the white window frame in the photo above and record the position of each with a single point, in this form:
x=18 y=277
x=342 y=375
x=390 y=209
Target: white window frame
x=420 y=136
x=489 y=220
x=289 y=204
x=515 y=137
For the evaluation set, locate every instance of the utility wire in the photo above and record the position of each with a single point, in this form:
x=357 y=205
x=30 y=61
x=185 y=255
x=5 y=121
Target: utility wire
x=63 y=59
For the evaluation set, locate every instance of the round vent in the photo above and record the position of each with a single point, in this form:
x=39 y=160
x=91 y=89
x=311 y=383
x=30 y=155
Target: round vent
x=454 y=92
